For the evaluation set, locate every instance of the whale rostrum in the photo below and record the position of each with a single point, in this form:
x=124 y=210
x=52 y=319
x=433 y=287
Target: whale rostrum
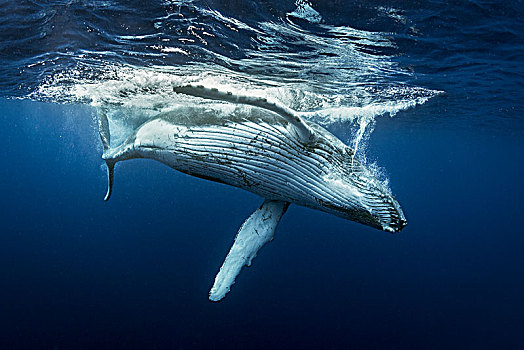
x=264 y=148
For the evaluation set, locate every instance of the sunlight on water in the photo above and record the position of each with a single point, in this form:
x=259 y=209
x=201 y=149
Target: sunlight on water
x=330 y=74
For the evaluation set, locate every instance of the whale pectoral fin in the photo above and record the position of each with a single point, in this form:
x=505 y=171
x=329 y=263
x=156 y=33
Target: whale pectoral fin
x=303 y=130
x=257 y=230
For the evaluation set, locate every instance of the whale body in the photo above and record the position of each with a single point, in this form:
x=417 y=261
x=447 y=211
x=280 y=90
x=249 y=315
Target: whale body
x=264 y=148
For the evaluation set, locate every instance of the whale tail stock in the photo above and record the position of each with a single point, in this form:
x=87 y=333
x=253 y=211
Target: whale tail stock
x=103 y=130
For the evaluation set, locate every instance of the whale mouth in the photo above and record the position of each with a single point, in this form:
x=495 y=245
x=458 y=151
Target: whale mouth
x=359 y=196
x=396 y=226
x=392 y=218
x=400 y=223
x=386 y=216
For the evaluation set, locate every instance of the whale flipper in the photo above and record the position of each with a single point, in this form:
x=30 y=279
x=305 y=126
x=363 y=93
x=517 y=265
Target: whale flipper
x=288 y=114
x=257 y=230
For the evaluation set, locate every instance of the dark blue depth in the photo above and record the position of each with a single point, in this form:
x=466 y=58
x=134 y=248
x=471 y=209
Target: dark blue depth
x=135 y=272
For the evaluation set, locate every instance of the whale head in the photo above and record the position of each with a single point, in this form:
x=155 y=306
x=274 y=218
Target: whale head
x=344 y=186
x=357 y=195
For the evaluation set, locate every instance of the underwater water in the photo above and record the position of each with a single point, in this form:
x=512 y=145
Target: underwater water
x=428 y=93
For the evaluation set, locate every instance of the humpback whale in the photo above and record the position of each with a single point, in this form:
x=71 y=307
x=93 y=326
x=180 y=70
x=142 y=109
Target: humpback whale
x=263 y=147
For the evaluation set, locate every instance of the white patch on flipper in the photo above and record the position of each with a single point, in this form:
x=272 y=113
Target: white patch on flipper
x=257 y=230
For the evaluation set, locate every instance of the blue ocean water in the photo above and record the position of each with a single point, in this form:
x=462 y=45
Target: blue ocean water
x=430 y=94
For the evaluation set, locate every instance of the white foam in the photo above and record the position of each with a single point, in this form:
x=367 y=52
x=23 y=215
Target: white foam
x=370 y=111
x=132 y=94
x=337 y=182
x=306 y=11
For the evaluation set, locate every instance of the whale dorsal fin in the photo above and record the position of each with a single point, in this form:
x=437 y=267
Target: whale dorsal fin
x=257 y=230
x=305 y=132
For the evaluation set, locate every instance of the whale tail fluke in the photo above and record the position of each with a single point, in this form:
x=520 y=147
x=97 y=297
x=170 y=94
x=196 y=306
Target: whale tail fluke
x=110 y=176
x=116 y=147
x=103 y=131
